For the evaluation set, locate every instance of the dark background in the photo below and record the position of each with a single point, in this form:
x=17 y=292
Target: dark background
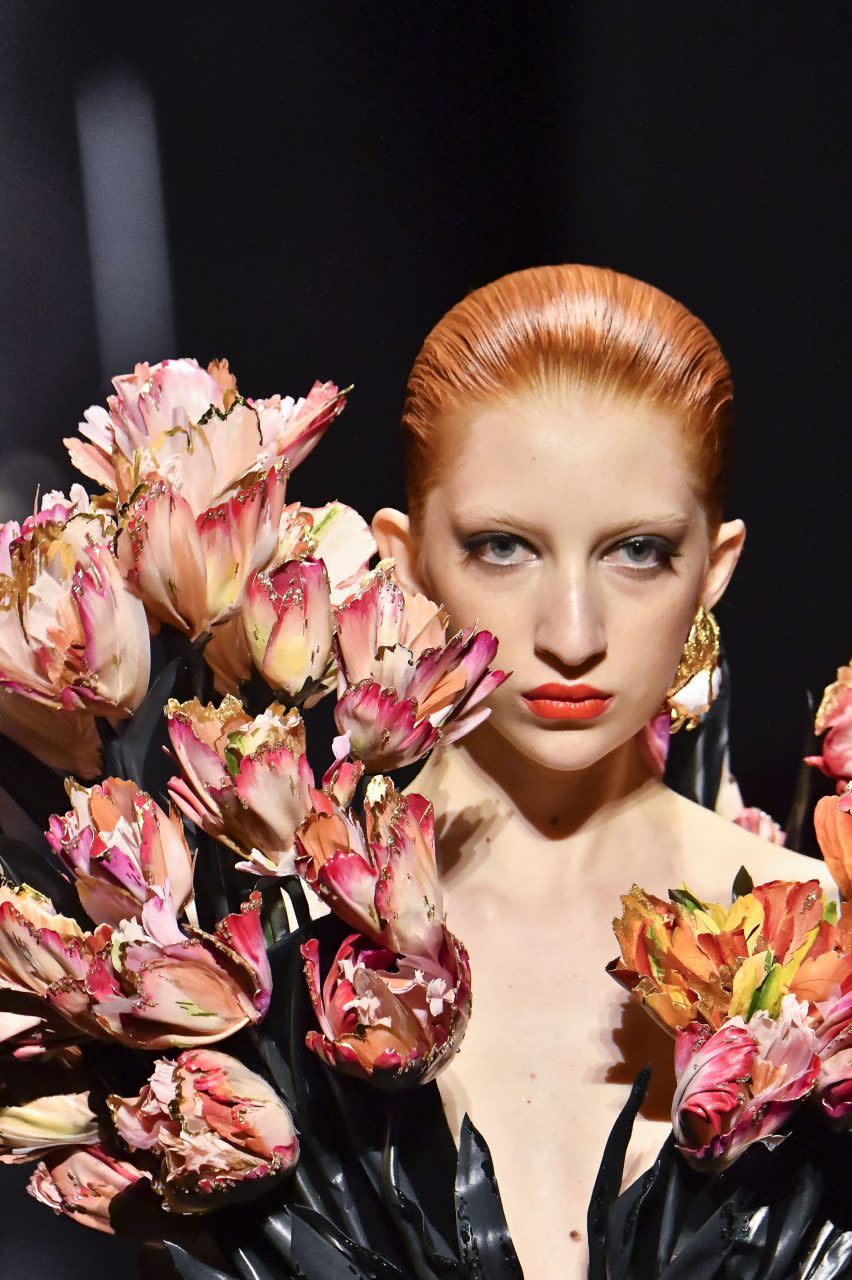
x=332 y=177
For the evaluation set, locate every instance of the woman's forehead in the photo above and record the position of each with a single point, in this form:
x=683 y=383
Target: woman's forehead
x=540 y=453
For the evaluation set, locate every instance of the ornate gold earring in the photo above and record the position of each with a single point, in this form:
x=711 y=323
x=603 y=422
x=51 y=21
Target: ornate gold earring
x=696 y=681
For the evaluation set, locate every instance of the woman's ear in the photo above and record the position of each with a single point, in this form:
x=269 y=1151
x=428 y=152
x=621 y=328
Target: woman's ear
x=392 y=531
x=724 y=553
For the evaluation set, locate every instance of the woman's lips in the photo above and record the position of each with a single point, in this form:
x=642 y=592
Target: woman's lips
x=567 y=702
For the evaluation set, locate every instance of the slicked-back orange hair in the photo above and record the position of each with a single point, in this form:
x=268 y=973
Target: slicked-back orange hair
x=562 y=327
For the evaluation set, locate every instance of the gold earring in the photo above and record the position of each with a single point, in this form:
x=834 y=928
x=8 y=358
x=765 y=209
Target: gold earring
x=696 y=681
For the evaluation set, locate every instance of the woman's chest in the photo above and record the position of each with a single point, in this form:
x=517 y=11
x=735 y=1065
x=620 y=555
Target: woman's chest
x=552 y=1048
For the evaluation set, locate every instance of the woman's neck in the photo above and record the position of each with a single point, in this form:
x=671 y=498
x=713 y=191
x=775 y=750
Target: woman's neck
x=556 y=804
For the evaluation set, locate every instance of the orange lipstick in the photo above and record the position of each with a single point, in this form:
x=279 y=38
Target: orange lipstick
x=567 y=702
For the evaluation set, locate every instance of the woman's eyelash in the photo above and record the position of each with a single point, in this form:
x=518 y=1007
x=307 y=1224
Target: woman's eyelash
x=640 y=545
x=501 y=545
x=642 y=553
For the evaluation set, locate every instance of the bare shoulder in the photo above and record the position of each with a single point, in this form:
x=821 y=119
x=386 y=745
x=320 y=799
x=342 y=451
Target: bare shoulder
x=715 y=849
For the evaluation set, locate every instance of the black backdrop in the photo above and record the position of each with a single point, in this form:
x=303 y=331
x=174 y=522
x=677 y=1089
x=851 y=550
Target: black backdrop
x=336 y=175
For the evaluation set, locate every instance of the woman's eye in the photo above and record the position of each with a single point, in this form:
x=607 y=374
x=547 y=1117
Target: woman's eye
x=498 y=548
x=642 y=553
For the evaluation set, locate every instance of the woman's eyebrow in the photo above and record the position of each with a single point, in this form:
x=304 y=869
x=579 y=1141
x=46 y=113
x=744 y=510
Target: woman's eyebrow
x=489 y=517
x=674 y=520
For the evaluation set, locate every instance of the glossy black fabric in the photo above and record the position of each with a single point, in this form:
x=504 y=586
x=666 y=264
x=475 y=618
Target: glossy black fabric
x=35 y=1244
x=780 y=1214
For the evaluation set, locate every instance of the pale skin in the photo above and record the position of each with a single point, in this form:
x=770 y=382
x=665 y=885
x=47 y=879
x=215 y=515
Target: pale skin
x=571 y=524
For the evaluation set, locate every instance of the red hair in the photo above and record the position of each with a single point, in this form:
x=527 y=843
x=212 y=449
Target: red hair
x=561 y=327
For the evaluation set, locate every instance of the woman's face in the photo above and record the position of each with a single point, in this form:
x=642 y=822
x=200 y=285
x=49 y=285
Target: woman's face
x=570 y=527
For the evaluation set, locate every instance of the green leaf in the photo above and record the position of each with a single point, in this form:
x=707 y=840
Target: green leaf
x=234 y=753
x=742 y=885
x=830 y=912
x=768 y=994
x=686 y=899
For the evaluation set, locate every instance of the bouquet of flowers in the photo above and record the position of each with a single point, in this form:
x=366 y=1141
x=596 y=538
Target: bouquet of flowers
x=758 y=997
x=161 y=642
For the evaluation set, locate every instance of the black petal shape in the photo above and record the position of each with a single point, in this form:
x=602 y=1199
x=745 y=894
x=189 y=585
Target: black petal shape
x=38 y=789
x=130 y=749
x=39 y=868
x=192 y=1268
x=781 y=1214
x=610 y=1174
x=484 y=1241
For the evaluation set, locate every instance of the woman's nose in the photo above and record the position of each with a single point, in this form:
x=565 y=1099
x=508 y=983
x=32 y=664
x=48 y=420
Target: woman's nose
x=570 y=625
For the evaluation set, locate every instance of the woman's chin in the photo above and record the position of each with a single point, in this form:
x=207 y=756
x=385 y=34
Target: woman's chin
x=566 y=750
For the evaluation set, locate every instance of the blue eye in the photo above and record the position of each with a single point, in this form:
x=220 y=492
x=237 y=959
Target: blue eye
x=498 y=549
x=643 y=552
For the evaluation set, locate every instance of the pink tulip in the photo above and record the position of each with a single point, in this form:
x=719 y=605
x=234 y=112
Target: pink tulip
x=760 y=824
x=32 y=1128
x=402 y=686
x=654 y=743
x=190 y=562
x=383 y=880
x=215 y=1126
x=834 y=719
x=156 y=987
x=83 y=1183
x=395 y=1021
x=117 y=843
x=291 y=428
x=247 y=782
x=72 y=635
x=740 y=1084
x=288 y=627
x=834 y=1042
x=150 y=401
x=137 y=432
x=40 y=950
x=147 y=983
x=335 y=534
x=344 y=542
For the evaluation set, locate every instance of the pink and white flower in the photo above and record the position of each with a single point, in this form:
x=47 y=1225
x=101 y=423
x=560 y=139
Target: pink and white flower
x=740 y=1084
x=36 y=1034
x=288 y=627
x=402 y=686
x=116 y=843
x=246 y=780
x=147 y=983
x=334 y=534
x=395 y=1020
x=381 y=879
x=834 y=1043
x=834 y=719
x=152 y=406
x=32 y=1128
x=149 y=402
x=190 y=562
x=291 y=428
x=155 y=986
x=83 y=1183
x=72 y=635
x=760 y=824
x=40 y=949
x=216 y=1127
x=654 y=743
